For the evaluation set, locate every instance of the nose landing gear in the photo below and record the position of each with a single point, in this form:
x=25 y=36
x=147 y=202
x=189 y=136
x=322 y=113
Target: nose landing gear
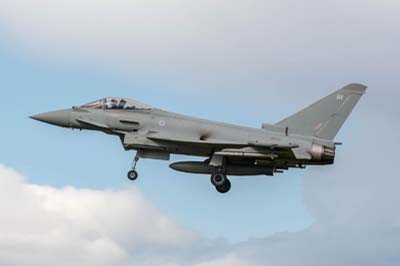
x=133 y=174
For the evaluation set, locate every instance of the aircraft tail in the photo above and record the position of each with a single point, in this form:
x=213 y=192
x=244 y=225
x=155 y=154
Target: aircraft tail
x=324 y=118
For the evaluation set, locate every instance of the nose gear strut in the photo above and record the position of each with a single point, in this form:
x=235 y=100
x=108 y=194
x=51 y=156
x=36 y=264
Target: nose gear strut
x=133 y=174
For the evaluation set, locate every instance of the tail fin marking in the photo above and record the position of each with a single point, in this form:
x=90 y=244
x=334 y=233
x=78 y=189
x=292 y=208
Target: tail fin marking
x=324 y=118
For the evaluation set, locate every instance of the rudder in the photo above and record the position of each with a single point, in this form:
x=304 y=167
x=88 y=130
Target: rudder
x=324 y=118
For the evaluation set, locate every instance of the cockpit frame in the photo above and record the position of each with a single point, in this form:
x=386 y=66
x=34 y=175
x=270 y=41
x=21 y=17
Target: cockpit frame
x=114 y=103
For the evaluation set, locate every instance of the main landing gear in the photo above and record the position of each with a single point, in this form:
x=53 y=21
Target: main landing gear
x=221 y=182
x=133 y=174
x=219 y=178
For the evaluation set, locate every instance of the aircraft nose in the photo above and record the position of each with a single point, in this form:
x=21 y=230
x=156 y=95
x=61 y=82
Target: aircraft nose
x=58 y=118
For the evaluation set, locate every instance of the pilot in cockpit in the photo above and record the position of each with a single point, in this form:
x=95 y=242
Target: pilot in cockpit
x=115 y=104
x=112 y=104
x=121 y=104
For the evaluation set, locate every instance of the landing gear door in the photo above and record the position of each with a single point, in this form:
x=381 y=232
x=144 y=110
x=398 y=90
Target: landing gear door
x=137 y=140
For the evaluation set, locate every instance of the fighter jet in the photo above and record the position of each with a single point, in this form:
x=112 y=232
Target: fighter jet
x=305 y=138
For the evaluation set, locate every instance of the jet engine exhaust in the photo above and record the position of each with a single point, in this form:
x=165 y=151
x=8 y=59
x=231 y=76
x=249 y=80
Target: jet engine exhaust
x=324 y=154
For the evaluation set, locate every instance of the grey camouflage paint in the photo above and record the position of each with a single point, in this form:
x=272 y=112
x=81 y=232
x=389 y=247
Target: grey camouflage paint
x=305 y=138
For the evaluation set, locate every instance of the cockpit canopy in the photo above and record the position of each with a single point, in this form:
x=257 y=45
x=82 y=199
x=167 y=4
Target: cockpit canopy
x=117 y=103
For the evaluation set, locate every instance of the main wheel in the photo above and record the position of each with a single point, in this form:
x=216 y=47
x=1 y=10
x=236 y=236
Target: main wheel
x=218 y=179
x=225 y=187
x=133 y=175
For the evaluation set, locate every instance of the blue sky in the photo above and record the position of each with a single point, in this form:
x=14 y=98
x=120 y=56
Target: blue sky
x=257 y=206
x=243 y=62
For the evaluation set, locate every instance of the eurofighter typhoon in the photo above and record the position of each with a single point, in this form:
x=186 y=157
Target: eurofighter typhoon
x=305 y=138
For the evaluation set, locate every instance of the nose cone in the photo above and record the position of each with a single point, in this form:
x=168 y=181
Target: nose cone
x=58 y=118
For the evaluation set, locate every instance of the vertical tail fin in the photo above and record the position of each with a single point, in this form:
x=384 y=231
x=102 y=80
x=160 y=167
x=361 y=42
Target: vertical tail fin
x=324 y=118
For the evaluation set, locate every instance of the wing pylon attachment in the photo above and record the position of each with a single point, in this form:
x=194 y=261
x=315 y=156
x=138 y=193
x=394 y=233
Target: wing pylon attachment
x=248 y=152
x=280 y=145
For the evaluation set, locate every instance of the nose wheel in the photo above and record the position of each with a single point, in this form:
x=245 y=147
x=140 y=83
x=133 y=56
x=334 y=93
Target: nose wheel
x=133 y=174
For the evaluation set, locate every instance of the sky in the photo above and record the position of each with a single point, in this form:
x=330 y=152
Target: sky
x=65 y=196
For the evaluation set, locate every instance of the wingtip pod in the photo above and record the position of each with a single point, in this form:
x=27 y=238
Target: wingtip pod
x=356 y=87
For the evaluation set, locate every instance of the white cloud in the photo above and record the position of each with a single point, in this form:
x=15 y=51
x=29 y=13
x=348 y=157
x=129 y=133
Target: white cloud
x=227 y=260
x=219 y=44
x=47 y=226
x=215 y=44
x=354 y=204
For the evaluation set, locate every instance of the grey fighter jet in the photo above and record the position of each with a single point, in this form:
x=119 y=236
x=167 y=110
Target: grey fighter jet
x=305 y=138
